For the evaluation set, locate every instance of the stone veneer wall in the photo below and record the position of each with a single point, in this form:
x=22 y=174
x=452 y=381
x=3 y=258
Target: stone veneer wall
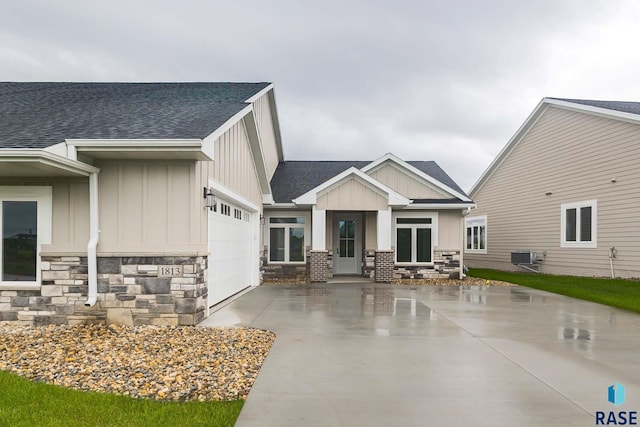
x=446 y=265
x=131 y=291
x=274 y=273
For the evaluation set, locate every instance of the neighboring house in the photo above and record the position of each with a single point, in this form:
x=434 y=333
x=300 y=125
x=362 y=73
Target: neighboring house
x=143 y=203
x=565 y=187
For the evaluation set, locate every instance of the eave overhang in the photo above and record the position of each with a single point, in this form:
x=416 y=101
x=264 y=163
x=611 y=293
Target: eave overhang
x=40 y=163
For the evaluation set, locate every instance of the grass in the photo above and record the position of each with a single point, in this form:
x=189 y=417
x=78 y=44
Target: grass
x=619 y=293
x=26 y=403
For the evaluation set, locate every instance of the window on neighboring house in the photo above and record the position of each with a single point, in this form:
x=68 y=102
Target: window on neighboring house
x=286 y=239
x=414 y=240
x=476 y=235
x=579 y=224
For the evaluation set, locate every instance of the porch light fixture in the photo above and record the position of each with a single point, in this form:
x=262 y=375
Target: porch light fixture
x=207 y=193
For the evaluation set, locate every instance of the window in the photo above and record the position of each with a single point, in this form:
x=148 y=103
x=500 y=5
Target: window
x=578 y=224
x=286 y=239
x=414 y=240
x=25 y=224
x=476 y=235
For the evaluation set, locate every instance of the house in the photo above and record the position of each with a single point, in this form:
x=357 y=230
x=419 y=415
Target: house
x=148 y=203
x=563 y=193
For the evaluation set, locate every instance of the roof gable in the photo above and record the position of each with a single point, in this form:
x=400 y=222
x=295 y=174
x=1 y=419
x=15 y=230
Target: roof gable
x=38 y=115
x=393 y=198
x=294 y=178
x=442 y=188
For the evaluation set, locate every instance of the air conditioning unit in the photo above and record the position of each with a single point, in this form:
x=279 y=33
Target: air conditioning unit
x=523 y=257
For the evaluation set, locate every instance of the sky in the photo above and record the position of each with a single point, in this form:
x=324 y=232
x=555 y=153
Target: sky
x=449 y=81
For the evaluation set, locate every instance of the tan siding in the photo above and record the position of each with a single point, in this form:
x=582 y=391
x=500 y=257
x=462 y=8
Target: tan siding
x=406 y=183
x=449 y=230
x=264 y=120
x=149 y=207
x=70 y=220
x=234 y=167
x=371 y=230
x=574 y=156
x=351 y=195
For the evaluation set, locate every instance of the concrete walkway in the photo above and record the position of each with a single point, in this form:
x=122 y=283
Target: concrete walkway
x=365 y=354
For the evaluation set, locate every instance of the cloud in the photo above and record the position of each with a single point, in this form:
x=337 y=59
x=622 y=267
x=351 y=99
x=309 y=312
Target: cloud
x=427 y=80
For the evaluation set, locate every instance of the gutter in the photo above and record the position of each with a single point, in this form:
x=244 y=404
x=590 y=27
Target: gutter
x=94 y=237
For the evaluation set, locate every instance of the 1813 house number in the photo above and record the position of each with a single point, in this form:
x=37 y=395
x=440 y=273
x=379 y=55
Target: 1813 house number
x=169 y=270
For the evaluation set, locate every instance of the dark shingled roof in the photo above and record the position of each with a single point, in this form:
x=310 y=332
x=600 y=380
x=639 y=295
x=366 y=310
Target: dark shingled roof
x=625 y=107
x=294 y=178
x=37 y=115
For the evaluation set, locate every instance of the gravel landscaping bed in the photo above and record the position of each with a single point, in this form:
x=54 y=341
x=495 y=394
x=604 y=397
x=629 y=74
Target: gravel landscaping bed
x=467 y=281
x=152 y=362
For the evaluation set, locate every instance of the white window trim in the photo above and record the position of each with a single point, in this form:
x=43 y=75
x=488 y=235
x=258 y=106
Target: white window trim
x=434 y=234
x=43 y=197
x=267 y=235
x=467 y=224
x=594 y=224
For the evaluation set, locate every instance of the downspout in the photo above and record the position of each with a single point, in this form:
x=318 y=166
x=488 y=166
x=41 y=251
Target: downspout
x=94 y=233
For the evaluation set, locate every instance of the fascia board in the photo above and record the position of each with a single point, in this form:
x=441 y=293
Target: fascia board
x=209 y=139
x=49 y=159
x=257 y=153
x=599 y=111
x=259 y=94
x=310 y=197
x=416 y=171
x=276 y=123
x=440 y=206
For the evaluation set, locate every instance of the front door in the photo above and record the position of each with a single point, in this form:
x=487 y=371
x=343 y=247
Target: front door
x=347 y=242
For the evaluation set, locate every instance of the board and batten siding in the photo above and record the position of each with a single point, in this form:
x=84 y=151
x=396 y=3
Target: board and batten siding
x=404 y=183
x=575 y=157
x=449 y=230
x=264 y=120
x=149 y=207
x=352 y=195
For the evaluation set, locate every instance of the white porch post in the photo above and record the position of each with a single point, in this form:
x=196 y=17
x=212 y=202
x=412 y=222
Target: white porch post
x=384 y=230
x=318 y=229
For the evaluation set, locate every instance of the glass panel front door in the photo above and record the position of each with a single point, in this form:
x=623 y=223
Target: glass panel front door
x=347 y=245
x=19 y=241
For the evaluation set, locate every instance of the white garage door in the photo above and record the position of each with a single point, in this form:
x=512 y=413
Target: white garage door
x=232 y=258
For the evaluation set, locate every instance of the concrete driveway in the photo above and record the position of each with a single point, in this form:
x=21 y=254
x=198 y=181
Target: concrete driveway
x=365 y=354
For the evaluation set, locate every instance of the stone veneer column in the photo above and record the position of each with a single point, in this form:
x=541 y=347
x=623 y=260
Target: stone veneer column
x=319 y=266
x=384 y=266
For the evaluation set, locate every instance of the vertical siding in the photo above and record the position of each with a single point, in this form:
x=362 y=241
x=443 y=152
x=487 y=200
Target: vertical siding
x=233 y=166
x=449 y=230
x=405 y=183
x=371 y=230
x=70 y=222
x=263 y=115
x=351 y=195
x=149 y=207
x=574 y=156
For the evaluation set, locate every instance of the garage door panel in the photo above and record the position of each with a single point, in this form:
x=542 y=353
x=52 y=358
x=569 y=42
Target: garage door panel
x=231 y=254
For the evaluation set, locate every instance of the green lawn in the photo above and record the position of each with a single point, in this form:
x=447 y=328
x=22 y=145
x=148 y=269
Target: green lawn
x=26 y=403
x=614 y=292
